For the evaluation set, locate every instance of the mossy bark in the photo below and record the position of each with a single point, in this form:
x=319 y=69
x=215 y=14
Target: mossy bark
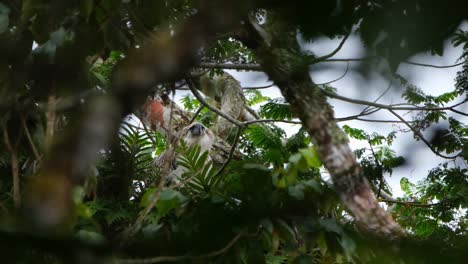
x=285 y=64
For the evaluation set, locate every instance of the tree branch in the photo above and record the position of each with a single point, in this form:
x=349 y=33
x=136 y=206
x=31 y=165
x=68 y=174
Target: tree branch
x=333 y=53
x=258 y=67
x=282 y=63
x=388 y=107
x=231 y=152
x=420 y=135
x=415 y=204
x=209 y=106
x=159 y=259
x=14 y=167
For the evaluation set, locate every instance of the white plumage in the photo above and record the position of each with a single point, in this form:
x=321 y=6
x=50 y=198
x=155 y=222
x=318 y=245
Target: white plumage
x=194 y=134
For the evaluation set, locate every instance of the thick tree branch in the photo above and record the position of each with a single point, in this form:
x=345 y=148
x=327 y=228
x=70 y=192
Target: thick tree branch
x=283 y=61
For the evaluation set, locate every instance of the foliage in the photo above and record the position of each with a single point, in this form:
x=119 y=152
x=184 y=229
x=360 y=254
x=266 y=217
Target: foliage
x=273 y=202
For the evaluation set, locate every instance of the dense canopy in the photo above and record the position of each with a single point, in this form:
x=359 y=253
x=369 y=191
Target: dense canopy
x=99 y=164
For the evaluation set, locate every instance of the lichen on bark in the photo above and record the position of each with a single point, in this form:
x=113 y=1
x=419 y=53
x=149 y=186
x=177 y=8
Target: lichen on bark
x=282 y=59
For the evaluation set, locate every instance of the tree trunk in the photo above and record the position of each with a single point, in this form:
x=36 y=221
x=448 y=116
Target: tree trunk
x=282 y=59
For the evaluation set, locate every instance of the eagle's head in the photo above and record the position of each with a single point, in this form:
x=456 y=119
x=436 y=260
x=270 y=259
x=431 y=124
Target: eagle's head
x=197 y=133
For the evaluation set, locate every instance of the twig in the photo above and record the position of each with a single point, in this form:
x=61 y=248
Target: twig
x=51 y=117
x=380 y=96
x=231 y=66
x=14 y=166
x=212 y=108
x=145 y=127
x=415 y=204
x=31 y=142
x=406 y=62
x=258 y=87
x=180 y=258
x=353 y=117
x=417 y=132
x=376 y=120
x=337 y=79
x=250 y=122
x=231 y=152
x=196 y=114
x=258 y=67
x=333 y=53
x=388 y=107
x=435 y=66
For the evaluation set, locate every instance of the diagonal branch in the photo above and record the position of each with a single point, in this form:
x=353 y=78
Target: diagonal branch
x=209 y=106
x=159 y=259
x=389 y=107
x=282 y=63
x=421 y=136
x=333 y=53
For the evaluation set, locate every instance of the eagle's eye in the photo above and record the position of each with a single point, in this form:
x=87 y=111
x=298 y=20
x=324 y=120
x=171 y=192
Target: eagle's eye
x=197 y=129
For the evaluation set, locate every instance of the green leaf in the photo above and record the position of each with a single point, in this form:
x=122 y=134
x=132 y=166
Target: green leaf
x=169 y=199
x=90 y=236
x=297 y=191
x=414 y=95
x=311 y=156
x=355 y=133
x=276 y=109
x=147 y=197
x=407 y=186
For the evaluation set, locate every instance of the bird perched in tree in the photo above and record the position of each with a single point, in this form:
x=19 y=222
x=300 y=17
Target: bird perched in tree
x=193 y=134
x=198 y=134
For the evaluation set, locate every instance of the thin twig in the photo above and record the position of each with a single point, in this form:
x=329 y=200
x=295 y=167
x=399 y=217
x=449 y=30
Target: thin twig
x=181 y=258
x=379 y=97
x=406 y=62
x=145 y=127
x=231 y=66
x=258 y=87
x=420 y=135
x=14 y=167
x=388 y=107
x=337 y=79
x=333 y=53
x=415 y=204
x=258 y=67
x=31 y=142
x=354 y=117
x=250 y=122
x=196 y=114
x=231 y=152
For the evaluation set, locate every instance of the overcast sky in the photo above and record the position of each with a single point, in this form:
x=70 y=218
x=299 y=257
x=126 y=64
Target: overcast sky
x=419 y=158
x=432 y=81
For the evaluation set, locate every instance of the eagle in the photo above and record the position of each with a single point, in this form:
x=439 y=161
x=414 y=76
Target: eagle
x=193 y=134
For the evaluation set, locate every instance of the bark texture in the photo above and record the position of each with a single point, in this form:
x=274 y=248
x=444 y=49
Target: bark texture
x=283 y=61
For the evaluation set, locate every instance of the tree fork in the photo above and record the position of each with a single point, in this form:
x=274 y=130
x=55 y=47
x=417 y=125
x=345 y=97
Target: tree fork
x=282 y=59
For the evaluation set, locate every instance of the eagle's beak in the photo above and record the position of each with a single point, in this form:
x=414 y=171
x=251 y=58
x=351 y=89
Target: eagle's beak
x=197 y=129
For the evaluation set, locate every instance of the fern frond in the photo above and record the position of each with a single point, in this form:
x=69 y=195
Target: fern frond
x=276 y=109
